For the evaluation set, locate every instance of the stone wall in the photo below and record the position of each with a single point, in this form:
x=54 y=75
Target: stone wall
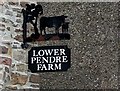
x=14 y=70
x=94 y=50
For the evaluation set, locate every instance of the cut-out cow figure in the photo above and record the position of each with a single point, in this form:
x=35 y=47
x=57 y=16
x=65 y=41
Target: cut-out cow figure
x=56 y=22
x=65 y=27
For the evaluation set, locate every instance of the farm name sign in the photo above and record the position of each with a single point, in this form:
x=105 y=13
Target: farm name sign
x=49 y=59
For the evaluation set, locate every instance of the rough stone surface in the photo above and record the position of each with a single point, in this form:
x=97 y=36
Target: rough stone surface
x=7 y=69
x=1 y=75
x=18 y=15
x=18 y=79
x=5 y=61
x=18 y=21
x=3 y=50
x=35 y=86
x=7 y=79
x=22 y=67
x=34 y=78
x=18 y=55
x=19 y=38
x=8 y=88
x=18 y=30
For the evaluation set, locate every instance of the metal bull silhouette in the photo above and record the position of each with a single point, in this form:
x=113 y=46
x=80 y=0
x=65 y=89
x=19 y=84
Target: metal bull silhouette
x=56 y=22
x=30 y=15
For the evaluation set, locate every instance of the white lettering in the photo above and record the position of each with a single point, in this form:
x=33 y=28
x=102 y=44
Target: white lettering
x=44 y=67
x=51 y=59
x=58 y=66
x=62 y=51
x=58 y=59
x=44 y=60
x=50 y=66
x=56 y=51
x=33 y=59
x=64 y=59
x=49 y=52
x=34 y=53
x=39 y=66
x=41 y=52
x=38 y=60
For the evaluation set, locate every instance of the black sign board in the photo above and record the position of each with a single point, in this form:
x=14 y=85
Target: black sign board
x=49 y=59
